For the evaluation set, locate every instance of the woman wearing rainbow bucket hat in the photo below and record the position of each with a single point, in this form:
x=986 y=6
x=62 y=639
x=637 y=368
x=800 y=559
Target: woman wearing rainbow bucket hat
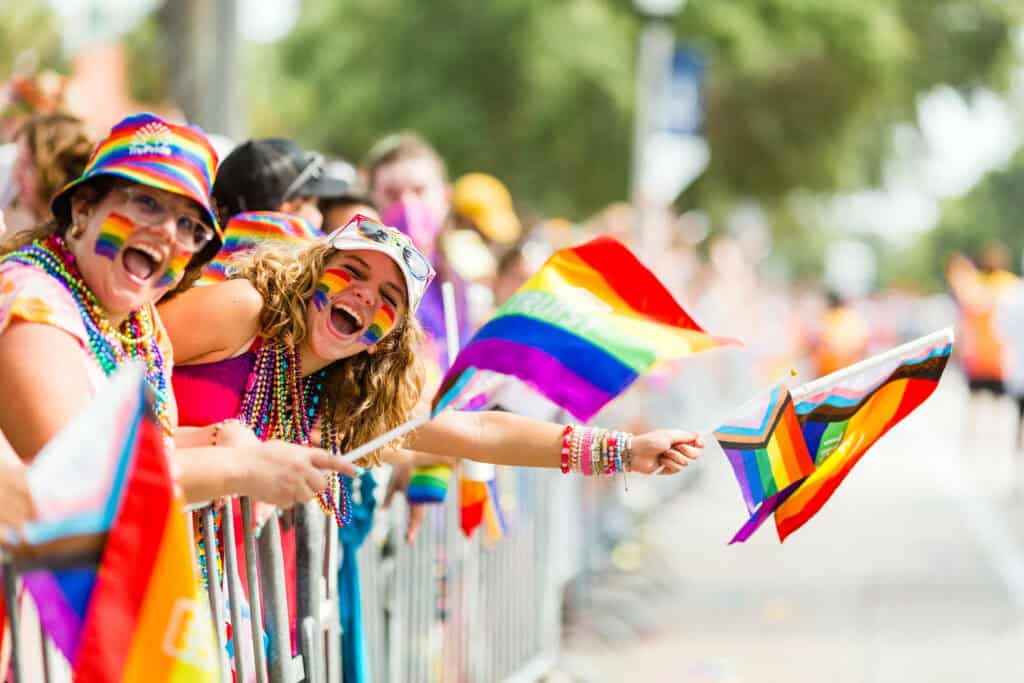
x=77 y=300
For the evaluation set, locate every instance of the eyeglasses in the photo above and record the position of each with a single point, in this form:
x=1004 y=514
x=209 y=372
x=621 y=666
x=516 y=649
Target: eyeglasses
x=146 y=209
x=375 y=232
x=313 y=169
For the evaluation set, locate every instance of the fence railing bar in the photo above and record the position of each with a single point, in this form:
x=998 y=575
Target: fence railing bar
x=13 y=619
x=216 y=597
x=255 y=600
x=333 y=637
x=241 y=654
x=309 y=568
x=272 y=587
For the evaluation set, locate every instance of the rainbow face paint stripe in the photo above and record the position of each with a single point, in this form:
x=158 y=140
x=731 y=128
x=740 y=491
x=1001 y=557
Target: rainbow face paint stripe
x=382 y=323
x=334 y=280
x=174 y=269
x=113 y=232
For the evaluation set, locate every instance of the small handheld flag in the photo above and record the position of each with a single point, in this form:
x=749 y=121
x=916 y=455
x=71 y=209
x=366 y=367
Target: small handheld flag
x=839 y=417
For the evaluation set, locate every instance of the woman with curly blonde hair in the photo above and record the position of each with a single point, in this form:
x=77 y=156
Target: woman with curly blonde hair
x=326 y=330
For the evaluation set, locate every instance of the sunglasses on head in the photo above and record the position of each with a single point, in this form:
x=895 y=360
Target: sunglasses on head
x=313 y=169
x=375 y=232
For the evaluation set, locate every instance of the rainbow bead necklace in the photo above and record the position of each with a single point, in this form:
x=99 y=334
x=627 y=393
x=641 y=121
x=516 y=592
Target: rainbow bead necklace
x=280 y=404
x=109 y=346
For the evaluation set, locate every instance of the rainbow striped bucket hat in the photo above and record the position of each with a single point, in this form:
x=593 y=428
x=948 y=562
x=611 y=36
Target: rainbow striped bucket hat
x=148 y=150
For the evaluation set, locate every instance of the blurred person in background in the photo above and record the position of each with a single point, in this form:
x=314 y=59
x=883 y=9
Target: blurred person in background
x=339 y=209
x=483 y=223
x=408 y=181
x=1009 y=324
x=274 y=174
x=843 y=338
x=52 y=150
x=979 y=291
x=266 y=190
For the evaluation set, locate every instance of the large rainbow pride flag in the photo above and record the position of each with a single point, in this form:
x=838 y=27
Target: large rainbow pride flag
x=139 y=616
x=582 y=329
x=840 y=417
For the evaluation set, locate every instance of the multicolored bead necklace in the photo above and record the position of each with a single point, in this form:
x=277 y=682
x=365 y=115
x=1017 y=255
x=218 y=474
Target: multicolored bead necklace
x=280 y=404
x=110 y=346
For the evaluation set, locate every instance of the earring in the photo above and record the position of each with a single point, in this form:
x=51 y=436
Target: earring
x=76 y=231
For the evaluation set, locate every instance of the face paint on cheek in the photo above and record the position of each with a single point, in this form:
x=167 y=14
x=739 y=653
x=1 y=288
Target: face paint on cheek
x=174 y=269
x=113 y=232
x=382 y=323
x=331 y=282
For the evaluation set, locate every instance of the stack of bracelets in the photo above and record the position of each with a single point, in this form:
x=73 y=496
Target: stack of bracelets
x=592 y=450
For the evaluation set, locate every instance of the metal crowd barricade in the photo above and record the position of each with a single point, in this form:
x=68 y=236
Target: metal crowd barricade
x=445 y=609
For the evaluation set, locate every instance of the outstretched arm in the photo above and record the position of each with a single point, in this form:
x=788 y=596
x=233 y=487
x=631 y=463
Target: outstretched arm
x=507 y=439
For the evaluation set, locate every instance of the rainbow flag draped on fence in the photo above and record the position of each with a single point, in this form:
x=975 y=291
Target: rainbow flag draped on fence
x=766 y=449
x=583 y=328
x=139 y=616
x=840 y=417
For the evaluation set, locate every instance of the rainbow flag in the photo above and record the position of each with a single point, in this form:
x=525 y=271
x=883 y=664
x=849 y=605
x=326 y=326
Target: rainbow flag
x=766 y=449
x=843 y=417
x=840 y=417
x=78 y=482
x=146 y=590
x=139 y=616
x=246 y=231
x=583 y=328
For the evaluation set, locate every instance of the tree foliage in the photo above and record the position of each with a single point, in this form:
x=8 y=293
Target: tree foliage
x=800 y=92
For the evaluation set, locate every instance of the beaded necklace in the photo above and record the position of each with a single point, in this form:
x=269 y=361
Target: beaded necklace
x=280 y=404
x=110 y=346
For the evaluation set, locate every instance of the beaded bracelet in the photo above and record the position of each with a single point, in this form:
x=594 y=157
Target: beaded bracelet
x=566 y=447
x=592 y=450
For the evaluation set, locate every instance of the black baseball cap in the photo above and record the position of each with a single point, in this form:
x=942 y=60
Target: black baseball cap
x=259 y=175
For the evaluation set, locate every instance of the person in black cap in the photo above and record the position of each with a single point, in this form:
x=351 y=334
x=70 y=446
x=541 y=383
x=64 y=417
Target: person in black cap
x=274 y=174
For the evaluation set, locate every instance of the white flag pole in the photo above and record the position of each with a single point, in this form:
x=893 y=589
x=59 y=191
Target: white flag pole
x=944 y=335
x=451 y=320
x=470 y=469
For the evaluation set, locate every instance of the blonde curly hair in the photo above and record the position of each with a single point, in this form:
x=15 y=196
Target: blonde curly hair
x=366 y=394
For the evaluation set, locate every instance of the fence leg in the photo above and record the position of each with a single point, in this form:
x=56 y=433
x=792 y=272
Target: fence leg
x=279 y=663
x=309 y=568
x=334 y=671
x=242 y=667
x=11 y=598
x=255 y=603
x=213 y=585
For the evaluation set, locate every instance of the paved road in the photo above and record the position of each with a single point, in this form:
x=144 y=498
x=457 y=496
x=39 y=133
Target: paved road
x=914 y=571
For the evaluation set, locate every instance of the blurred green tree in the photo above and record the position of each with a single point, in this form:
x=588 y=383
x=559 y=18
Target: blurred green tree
x=800 y=94
x=28 y=31
x=992 y=212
